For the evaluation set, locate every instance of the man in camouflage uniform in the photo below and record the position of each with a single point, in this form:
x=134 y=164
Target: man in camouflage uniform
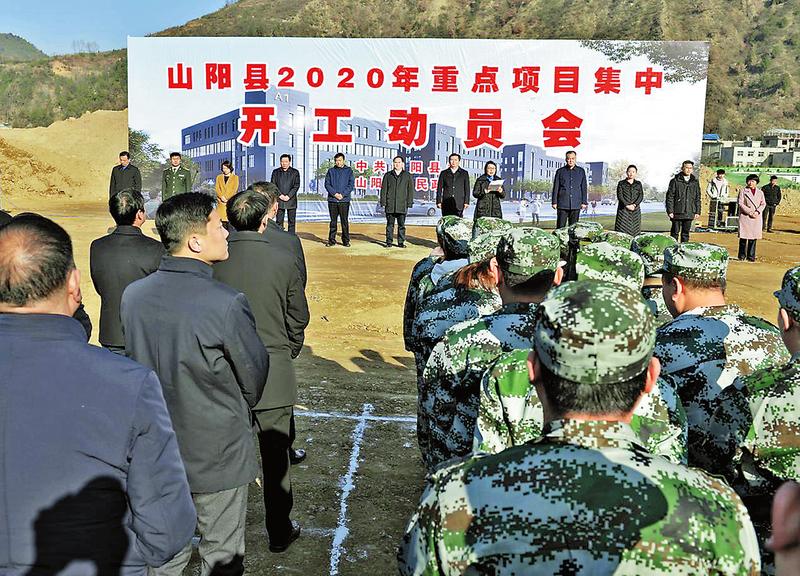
x=610 y=263
x=709 y=343
x=586 y=498
x=754 y=435
x=620 y=239
x=650 y=247
x=453 y=234
x=526 y=268
x=489 y=224
x=585 y=232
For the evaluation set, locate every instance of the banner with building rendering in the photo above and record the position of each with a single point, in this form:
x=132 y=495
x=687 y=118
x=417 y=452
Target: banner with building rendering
x=519 y=103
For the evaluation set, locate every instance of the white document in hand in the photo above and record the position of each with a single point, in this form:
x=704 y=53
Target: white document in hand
x=495 y=185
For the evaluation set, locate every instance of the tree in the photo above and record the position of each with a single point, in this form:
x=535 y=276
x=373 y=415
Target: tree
x=147 y=156
x=320 y=173
x=682 y=61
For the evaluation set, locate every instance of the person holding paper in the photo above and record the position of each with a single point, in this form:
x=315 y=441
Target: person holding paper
x=489 y=191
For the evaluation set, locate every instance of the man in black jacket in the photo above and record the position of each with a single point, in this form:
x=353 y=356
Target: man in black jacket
x=276 y=234
x=124 y=175
x=287 y=179
x=122 y=257
x=772 y=195
x=683 y=201
x=570 y=193
x=199 y=336
x=396 y=197
x=452 y=191
x=272 y=281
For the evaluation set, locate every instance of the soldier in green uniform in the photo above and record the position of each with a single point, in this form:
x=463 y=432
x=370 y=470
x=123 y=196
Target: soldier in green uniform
x=650 y=247
x=611 y=263
x=709 y=343
x=754 y=435
x=620 y=239
x=526 y=268
x=585 y=498
x=175 y=179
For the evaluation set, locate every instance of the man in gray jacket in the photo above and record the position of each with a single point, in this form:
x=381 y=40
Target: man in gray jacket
x=90 y=469
x=397 y=196
x=199 y=336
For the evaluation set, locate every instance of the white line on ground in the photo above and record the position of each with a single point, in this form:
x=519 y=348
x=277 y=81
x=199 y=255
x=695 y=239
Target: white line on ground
x=347 y=483
x=359 y=417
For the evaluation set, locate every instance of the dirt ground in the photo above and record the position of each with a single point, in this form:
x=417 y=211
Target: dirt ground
x=353 y=357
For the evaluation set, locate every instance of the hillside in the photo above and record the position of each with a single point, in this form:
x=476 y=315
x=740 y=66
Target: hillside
x=753 y=74
x=16 y=49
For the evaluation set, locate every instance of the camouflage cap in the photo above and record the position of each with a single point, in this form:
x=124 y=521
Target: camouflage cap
x=696 y=261
x=585 y=232
x=604 y=261
x=484 y=245
x=789 y=294
x=454 y=234
x=616 y=238
x=650 y=246
x=524 y=252
x=488 y=224
x=594 y=332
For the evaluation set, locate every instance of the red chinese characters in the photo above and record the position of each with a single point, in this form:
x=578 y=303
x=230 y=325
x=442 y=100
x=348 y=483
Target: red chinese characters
x=406 y=78
x=257 y=121
x=486 y=80
x=218 y=74
x=179 y=77
x=649 y=79
x=379 y=166
x=421 y=184
x=361 y=183
x=526 y=79
x=375 y=182
x=561 y=128
x=445 y=79
x=361 y=165
x=607 y=81
x=256 y=77
x=415 y=167
x=409 y=127
x=484 y=126
x=332 y=117
x=566 y=79
x=433 y=167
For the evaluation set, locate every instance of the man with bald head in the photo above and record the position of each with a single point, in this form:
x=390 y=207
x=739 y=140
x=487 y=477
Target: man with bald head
x=91 y=468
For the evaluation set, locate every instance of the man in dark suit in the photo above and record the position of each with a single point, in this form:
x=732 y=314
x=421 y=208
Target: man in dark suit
x=275 y=233
x=124 y=176
x=570 y=194
x=271 y=279
x=199 y=335
x=287 y=179
x=91 y=467
x=122 y=257
x=453 y=190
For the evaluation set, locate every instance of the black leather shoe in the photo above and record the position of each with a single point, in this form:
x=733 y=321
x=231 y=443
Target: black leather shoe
x=330 y=243
x=297 y=456
x=401 y=245
x=278 y=548
x=346 y=244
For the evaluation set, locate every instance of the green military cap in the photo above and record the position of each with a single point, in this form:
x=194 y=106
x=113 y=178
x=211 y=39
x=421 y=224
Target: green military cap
x=594 y=332
x=604 y=261
x=616 y=238
x=585 y=232
x=650 y=246
x=454 y=234
x=484 y=245
x=696 y=261
x=524 y=252
x=789 y=294
x=489 y=224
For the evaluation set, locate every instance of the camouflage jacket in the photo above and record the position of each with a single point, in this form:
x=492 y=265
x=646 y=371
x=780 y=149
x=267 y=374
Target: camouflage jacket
x=510 y=412
x=704 y=350
x=584 y=499
x=654 y=296
x=453 y=373
x=421 y=270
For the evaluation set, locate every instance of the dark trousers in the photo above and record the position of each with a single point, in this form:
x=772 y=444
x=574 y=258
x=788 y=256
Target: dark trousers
x=292 y=215
x=566 y=217
x=274 y=441
x=682 y=227
x=401 y=228
x=747 y=249
x=769 y=212
x=339 y=210
x=449 y=208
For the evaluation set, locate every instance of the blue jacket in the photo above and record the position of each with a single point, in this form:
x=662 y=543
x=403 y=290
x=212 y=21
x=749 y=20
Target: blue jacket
x=339 y=180
x=90 y=467
x=569 y=188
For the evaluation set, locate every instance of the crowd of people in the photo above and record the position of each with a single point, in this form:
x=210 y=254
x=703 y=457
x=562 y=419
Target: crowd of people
x=590 y=403
x=588 y=400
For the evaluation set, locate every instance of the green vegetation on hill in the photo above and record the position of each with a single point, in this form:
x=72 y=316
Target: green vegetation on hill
x=754 y=63
x=16 y=49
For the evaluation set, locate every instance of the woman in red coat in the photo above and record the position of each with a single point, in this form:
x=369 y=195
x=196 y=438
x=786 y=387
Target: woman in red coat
x=751 y=208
